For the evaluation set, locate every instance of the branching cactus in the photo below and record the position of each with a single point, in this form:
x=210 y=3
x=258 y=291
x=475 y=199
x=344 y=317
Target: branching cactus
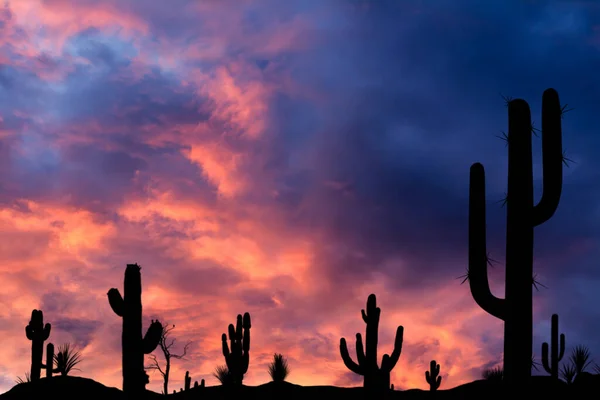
x=202 y=384
x=433 y=376
x=521 y=217
x=557 y=350
x=38 y=333
x=237 y=355
x=375 y=378
x=49 y=366
x=188 y=382
x=134 y=346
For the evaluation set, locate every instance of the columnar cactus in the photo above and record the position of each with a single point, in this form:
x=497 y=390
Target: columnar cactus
x=38 y=333
x=433 y=376
x=521 y=217
x=188 y=382
x=375 y=378
x=49 y=366
x=557 y=351
x=134 y=346
x=238 y=357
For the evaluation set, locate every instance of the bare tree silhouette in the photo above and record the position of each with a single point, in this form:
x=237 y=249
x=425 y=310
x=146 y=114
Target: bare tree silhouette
x=166 y=344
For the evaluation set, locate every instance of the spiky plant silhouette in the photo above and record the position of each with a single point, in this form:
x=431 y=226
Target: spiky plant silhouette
x=580 y=358
x=568 y=372
x=493 y=374
x=21 y=380
x=223 y=375
x=66 y=359
x=279 y=368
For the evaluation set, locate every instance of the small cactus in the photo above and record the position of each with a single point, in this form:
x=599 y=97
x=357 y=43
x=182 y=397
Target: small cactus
x=188 y=382
x=238 y=357
x=37 y=332
x=49 y=366
x=433 y=376
x=557 y=351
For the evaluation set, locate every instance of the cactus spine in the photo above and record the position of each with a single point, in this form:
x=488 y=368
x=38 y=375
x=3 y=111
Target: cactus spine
x=134 y=346
x=238 y=357
x=38 y=333
x=521 y=217
x=557 y=351
x=433 y=376
x=375 y=378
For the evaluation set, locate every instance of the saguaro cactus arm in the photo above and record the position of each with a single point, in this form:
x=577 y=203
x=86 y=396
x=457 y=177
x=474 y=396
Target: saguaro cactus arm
x=478 y=261
x=389 y=361
x=116 y=302
x=348 y=361
x=152 y=337
x=552 y=158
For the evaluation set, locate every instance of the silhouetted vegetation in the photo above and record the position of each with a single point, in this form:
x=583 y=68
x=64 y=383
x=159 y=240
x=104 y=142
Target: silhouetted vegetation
x=237 y=355
x=433 y=377
x=515 y=310
x=23 y=380
x=557 y=350
x=223 y=375
x=279 y=368
x=493 y=374
x=521 y=218
x=166 y=344
x=134 y=345
x=375 y=378
x=66 y=359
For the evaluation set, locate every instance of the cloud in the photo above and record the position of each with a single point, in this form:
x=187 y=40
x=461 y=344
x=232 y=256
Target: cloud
x=285 y=159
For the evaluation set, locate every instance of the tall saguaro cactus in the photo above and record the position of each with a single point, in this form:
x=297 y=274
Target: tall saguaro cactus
x=238 y=357
x=375 y=378
x=38 y=333
x=433 y=376
x=557 y=351
x=134 y=346
x=521 y=217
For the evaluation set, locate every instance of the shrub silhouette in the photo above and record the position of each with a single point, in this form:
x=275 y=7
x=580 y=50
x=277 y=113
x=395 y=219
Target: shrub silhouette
x=493 y=374
x=522 y=216
x=134 y=346
x=23 y=380
x=66 y=359
x=237 y=355
x=568 y=372
x=580 y=358
x=279 y=368
x=223 y=375
x=375 y=378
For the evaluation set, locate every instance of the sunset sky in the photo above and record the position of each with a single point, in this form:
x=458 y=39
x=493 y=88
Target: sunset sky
x=285 y=158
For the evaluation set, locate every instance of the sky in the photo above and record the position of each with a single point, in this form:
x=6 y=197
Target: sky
x=286 y=159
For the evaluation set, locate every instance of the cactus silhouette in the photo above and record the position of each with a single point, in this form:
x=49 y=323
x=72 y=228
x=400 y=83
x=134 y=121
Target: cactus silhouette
x=521 y=217
x=557 y=350
x=38 y=333
x=49 y=366
x=432 y=376
x=238 y=357
x=375 y=378
x=188 y=382
x=134 y=346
